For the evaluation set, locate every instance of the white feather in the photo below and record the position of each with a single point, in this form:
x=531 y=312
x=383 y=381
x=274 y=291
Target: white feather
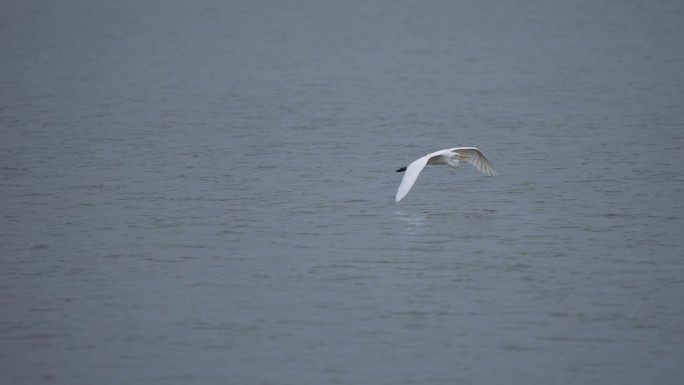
x=445 y=157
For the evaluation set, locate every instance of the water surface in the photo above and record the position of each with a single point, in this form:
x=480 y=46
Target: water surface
x=203 y=193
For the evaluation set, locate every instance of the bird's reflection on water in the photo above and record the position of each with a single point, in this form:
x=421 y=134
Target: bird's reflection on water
x=415 y=223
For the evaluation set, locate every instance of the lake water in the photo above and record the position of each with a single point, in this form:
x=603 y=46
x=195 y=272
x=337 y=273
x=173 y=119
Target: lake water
x=203 y=192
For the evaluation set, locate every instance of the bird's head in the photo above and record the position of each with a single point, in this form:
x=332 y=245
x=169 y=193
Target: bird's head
x=457 y=155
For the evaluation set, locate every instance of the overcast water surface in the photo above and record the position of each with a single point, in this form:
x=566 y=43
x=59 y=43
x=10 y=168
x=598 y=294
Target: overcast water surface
x=203 y=192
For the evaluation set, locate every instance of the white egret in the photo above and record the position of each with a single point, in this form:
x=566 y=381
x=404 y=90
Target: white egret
x=447 y=157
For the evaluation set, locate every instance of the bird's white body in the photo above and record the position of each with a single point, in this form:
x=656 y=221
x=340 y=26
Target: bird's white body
x=448 y=157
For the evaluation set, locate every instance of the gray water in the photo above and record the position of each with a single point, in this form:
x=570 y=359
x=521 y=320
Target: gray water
x=203 y=192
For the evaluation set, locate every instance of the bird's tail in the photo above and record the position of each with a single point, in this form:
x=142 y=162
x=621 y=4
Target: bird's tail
x=401 y=169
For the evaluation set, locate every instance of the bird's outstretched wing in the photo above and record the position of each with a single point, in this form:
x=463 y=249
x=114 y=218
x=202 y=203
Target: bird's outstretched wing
x=412 y=172
x=477 y=159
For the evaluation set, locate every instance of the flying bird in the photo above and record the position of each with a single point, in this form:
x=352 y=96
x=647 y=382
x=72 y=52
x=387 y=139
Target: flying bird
x=448 y=157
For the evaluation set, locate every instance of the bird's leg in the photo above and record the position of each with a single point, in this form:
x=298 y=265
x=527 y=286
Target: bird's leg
x=401 y=169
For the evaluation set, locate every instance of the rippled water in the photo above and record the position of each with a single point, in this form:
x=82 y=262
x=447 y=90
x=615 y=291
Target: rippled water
x=203 y=192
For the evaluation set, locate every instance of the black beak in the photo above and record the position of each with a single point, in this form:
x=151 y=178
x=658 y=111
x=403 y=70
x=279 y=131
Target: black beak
x=401 y=169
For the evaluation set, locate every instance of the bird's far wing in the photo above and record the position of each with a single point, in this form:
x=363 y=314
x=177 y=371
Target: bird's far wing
x=412 y=172
x=477 y=159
